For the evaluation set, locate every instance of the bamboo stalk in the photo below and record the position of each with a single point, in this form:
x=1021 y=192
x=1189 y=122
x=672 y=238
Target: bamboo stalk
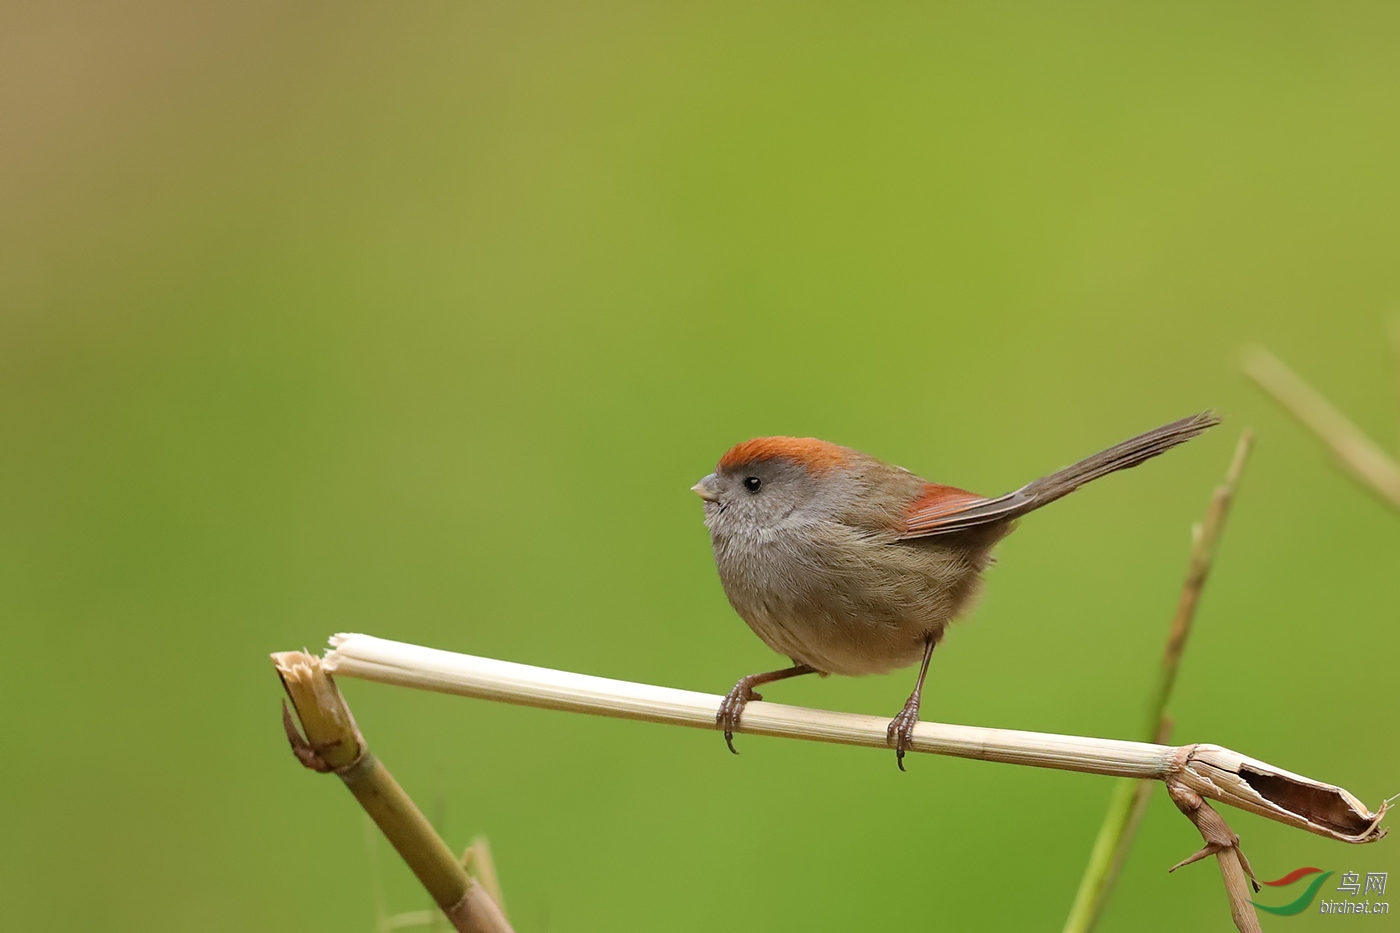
x=1209 y=770
x=1129 y=800
x=381 y=909
x=1358 y=454
x=334 y=743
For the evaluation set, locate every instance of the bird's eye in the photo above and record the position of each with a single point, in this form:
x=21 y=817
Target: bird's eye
x=753 y=483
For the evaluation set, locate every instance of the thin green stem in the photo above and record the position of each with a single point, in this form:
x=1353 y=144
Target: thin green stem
x=1129 y=800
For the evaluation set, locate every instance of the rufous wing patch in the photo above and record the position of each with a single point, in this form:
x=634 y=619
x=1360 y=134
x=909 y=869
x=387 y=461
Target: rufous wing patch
x=936 y=503
x=807 y=451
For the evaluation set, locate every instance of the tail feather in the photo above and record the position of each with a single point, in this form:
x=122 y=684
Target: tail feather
x=941 y=519
x=1118 y=457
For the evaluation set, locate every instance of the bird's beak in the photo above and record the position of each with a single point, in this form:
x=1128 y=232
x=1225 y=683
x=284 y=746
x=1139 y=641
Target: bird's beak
x=705 y=489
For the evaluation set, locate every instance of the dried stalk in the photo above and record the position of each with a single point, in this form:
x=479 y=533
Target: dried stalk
x=334 y=743
x=1129 y=800
x=1358 y=454
x=1225 y=846
x=1209 y=770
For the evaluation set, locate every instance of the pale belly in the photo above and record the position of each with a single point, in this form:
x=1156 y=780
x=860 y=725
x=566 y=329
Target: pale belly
x=863 y=606
x=841 y=646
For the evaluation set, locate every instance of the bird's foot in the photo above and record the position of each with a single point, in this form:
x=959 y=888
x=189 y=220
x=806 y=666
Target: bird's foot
x=733 y=707
x=900 y=733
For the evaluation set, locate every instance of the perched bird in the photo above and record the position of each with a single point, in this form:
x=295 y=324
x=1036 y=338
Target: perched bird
x=850 y=565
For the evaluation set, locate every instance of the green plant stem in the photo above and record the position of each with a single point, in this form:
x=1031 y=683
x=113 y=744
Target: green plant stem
x=1142 y=795
x=1129 y=799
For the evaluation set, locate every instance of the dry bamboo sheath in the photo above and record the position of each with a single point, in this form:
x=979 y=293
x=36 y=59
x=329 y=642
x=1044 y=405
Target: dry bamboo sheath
x=1207 y=770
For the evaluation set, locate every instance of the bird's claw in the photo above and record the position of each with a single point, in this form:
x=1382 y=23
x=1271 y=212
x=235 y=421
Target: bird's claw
x=732 y=708
x=900 y=733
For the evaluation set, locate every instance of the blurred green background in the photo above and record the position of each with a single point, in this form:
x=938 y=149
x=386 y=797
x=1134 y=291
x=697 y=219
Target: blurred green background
x=420 y=319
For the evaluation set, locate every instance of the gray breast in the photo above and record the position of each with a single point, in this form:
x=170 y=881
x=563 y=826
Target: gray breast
x=842 y=600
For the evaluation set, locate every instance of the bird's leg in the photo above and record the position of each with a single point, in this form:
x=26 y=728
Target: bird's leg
x=743 y=692
x=900 y=734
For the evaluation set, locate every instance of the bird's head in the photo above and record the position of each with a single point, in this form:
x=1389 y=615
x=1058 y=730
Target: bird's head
x=769 y=481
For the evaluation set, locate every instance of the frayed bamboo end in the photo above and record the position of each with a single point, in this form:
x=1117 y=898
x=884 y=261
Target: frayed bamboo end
x=333 y=741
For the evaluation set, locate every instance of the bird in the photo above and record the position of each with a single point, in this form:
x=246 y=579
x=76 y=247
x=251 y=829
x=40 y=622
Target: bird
x=850 y=565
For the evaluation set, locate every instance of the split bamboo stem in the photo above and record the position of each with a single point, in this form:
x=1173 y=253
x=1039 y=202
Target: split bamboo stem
x=334 y=743
x=1209 y=770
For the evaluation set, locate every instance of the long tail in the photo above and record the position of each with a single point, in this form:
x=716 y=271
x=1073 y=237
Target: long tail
x=945 y=515
x=1118 y=457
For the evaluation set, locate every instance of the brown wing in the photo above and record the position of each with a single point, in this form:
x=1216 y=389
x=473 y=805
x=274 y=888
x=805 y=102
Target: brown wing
x=946 y=509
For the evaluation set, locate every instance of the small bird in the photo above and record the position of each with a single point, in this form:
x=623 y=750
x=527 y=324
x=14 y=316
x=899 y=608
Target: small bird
x=850 y=565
